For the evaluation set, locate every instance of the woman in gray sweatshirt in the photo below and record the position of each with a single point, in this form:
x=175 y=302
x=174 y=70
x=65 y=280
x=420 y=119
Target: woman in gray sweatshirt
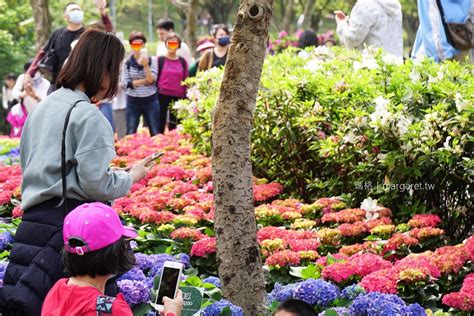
x=92 y=72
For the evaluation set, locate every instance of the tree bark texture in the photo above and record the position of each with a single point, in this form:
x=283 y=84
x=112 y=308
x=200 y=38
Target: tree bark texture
x=239 y=264
x=42 y=21
x=191 y=28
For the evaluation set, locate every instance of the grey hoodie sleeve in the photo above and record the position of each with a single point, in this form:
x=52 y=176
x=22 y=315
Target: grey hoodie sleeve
x=93 y=156
x=354 y=30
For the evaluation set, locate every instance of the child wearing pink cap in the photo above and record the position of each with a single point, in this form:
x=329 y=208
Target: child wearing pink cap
x=96 y=247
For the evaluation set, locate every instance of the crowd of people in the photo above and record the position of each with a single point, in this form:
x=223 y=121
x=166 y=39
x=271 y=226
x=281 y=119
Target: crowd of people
x=150 y=84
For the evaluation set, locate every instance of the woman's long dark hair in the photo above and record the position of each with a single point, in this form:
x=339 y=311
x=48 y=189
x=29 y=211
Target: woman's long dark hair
x=95 y=55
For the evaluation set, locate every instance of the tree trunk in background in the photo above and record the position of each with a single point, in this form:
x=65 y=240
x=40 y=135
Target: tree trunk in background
x=239 y=264
x=308 y=12
x=288 y=17
x=42 y=21
x=191 y=27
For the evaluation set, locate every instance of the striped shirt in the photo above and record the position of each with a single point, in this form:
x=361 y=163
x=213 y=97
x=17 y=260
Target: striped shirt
x=132 y=71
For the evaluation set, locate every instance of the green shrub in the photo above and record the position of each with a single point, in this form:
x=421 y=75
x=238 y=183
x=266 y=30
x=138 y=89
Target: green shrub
x=364 y=124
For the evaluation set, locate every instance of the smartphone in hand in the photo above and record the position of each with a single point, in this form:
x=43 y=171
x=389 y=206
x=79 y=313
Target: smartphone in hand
x=169 y=282
x=154 y=157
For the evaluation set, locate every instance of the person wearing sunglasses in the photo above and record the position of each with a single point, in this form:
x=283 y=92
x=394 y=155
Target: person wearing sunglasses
x=139 y=73
x=173 y=70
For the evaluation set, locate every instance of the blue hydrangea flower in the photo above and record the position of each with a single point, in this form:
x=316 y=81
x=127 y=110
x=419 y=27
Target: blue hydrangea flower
x=341 y=311
x=5 y=239
x=135 y=292
x=184 y=259
x=281 y=293
x=216 y=308
x=377 y=304
x=415 y=310
x=351 y=292
x=213 y=280
x=316 y=292
x=134 y=274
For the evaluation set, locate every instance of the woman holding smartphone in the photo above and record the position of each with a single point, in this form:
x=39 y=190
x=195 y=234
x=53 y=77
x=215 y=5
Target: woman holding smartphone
x=66 y=149
x=139 y=74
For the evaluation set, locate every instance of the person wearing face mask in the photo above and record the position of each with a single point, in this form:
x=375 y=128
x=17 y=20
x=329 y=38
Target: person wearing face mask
x=56 y=50
x=218 y=56
x=139 y=73
x=62 y=172
x=173 y=70
x=36 y=91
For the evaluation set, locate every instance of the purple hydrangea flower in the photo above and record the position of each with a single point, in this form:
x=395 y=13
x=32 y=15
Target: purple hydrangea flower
x=281 y=293
x=316 y=292
x=415 y=310
x=341 y=311
x=158 y=262
x=213 y=280
x=216 y=308
x=134 y=274
x=144 y=262
x=351 y=292
x=6 y=238
x=135 y=292
x=375 y=303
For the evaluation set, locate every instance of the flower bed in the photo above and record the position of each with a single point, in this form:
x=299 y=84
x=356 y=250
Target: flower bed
x=334 y=122
x=356 y=260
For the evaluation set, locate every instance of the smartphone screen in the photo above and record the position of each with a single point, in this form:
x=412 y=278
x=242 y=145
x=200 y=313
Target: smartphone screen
x=169 y=282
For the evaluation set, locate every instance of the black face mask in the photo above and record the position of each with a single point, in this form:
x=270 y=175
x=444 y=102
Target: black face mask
x=223 y=41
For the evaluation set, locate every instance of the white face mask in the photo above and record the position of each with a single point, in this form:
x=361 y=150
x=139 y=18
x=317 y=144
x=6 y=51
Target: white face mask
x=76 y=16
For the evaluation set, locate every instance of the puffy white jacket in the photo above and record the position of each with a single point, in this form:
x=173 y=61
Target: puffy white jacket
x=376 y=23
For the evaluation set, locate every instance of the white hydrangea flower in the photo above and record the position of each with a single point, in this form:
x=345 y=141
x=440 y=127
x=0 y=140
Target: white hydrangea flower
x=403 y=124
x=350 y=138
x=461 y=104
x=360 y=121
x=371 y=208
x=415 y=76
x=390 y=59
x=314 y=65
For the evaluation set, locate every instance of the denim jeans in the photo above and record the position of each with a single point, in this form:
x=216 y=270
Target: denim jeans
x=106 y=109
x=148 y=107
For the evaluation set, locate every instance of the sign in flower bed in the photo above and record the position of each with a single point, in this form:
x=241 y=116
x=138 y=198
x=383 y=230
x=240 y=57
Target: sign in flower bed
x=347 y=259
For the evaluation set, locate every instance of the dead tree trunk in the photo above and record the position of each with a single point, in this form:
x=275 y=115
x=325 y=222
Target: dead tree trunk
x=239 y=264
x=42 y=21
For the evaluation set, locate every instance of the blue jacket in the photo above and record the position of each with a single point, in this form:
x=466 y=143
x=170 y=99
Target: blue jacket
x=431 y=38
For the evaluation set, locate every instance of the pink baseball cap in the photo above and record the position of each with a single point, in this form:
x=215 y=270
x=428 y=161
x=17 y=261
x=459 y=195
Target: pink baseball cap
x=205 y=45
x=95 y=224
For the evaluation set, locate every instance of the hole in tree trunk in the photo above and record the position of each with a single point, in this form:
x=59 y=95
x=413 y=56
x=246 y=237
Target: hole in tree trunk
x=254 y=10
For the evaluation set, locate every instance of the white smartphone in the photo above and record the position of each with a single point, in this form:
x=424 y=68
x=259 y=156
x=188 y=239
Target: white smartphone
x=144 y=52
x=169 y=282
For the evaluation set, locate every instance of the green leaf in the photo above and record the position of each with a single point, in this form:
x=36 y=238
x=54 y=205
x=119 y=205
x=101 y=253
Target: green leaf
x=331 y=312
x=141 y=310
x=226 y=311
x=194 y=281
